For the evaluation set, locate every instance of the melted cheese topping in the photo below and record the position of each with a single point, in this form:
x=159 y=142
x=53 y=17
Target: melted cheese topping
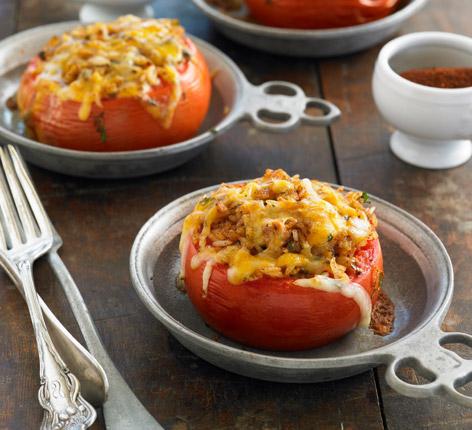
x=347 y=289
x=124 y=58
x=280 y=226
x=206 y=276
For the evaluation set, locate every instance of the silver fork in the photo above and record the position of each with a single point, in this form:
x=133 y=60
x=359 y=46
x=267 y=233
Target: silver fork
x=122 y=410
x=25 y=235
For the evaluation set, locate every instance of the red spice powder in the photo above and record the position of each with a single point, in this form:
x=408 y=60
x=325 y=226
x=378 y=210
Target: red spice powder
x=441 y=77
x=383 y=315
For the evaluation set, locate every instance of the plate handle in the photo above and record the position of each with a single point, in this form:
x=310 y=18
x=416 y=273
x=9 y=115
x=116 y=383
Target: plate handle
x=280 y=106
x=445 y=369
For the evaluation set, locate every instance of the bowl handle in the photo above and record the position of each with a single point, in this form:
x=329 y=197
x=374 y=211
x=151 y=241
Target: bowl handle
x=281 y=106
x=426 y=354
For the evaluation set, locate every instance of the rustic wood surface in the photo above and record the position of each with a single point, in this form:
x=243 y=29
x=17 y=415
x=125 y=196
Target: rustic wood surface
x=99 y=220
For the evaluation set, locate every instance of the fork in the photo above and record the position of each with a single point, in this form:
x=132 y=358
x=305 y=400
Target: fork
x=25 y=235
x=122 y=410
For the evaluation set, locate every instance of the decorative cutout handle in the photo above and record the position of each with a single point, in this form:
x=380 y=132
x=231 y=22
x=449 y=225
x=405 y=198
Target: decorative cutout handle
x=446 y=370
x=281 y=106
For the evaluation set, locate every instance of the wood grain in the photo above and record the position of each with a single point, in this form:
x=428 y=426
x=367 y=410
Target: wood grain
x=99 y=220
x=442 y=199
x=8 y=17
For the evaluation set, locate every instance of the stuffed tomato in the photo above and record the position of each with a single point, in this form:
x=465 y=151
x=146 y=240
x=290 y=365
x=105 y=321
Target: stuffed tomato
x=126 y=85
x=313 y=14
x=282 y=263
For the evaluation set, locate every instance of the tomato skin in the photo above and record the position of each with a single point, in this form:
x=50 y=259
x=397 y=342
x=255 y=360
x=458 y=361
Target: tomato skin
x=275 y=314
x=313 y=14
x=128 y=125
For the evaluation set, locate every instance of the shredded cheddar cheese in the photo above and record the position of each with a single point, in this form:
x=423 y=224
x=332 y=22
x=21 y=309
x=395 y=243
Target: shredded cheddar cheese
x=280 y=226
x=124 y=58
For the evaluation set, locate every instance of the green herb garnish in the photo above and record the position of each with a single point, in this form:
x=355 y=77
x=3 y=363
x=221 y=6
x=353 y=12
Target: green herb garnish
x=293 y=246
x=330 y=237
x=378 y=283
x=206 y=200
x=99 y=123
x=365 y=197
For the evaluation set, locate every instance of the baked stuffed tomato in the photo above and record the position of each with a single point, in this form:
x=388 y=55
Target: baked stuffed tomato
x=126 y=85
x=312 y=14
x=282 y=263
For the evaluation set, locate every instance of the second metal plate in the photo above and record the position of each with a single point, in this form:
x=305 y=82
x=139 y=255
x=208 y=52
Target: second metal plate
x=308 y=43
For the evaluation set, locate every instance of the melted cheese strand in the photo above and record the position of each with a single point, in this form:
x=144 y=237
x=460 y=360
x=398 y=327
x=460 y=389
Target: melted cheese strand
x=206 y=276
x=184 y=247
x=347 y=289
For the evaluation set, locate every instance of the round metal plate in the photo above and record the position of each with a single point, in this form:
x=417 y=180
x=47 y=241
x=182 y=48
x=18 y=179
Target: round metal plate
x=233 y=98
x=418 y=278
x=17 y=50
x=308 y=43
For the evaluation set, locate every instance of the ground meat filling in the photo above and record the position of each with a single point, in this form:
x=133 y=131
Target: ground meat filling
x=383 y=315
x=291 y=226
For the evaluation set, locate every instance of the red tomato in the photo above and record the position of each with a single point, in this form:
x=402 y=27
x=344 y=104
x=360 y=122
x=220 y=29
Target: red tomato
x=319 y=13
x=273 y=313
x=127 y=124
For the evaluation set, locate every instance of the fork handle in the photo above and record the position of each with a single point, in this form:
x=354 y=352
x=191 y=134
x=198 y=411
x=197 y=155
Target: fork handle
x=122 y=410
x=65 y=408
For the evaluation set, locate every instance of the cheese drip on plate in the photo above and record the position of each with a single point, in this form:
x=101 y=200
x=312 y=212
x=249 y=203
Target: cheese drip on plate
x=124 y=58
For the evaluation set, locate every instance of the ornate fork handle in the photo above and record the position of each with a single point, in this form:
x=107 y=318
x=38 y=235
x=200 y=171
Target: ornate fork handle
x=65 y=408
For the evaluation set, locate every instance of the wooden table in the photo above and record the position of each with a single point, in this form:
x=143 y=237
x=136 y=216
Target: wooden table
x=99 y=220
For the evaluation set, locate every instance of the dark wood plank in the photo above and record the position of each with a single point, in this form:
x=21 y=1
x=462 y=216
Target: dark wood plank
x=442 y=199
x=8 y=15
x=33 y=12
x=99 y=220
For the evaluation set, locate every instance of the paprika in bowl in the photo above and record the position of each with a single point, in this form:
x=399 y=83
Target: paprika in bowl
x=282 y=263
x=441 y=77
x=416 y=90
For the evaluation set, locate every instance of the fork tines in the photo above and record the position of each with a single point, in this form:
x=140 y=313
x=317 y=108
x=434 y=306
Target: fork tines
x=22 y=216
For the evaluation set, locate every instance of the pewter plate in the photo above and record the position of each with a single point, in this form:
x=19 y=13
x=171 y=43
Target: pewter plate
x=276 y=106
x=307 y=43
x=418 y=278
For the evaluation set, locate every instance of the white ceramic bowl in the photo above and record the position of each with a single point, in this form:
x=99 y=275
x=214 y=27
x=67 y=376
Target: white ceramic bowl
x=108 y=10
x=434 y=125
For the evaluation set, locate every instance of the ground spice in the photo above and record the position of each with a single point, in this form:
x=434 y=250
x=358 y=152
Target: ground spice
x=383 y=315
x=11 y=102
x=441 y=77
